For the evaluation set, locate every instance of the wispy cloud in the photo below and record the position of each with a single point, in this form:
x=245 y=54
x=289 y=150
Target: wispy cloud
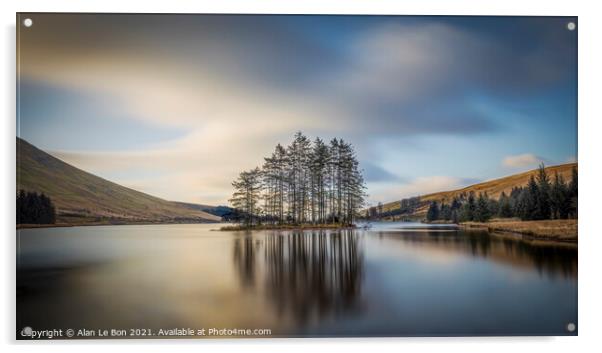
x=522 y=160
x=416 y=187
x=199 y=98
x=375 y=173
x=571 y=159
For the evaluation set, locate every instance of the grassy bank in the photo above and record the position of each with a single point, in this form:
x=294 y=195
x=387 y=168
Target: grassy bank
x=439 y=221
x=563 y=230
x=287 y=227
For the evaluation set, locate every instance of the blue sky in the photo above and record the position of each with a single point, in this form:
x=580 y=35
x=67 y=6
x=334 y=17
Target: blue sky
x=177 y=105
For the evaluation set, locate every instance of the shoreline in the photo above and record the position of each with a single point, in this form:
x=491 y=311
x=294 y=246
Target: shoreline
x=548 y=231
x=557 y=231
x=293 y=227
x=538 y=241
x=96 y=224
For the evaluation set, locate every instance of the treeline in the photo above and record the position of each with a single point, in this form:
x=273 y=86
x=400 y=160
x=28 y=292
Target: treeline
x=406 y=207
x=34 y=208
x=305 y=182
x=542 y=198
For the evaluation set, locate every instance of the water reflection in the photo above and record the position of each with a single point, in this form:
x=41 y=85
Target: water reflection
x=306 y=274
x=363 y=282
x=244 y=260
x=549 y=259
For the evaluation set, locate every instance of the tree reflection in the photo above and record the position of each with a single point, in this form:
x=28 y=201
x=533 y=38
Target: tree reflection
x=547 y=258
x=244 y=260
x=307 y=274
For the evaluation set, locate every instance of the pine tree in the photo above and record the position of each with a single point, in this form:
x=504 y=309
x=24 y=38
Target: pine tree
x=304 y=182
x=455 y=204
x=445 y=212
x=21 y=207
x=573 y=194
x=528 y=201
x=468 y=209
x=298 y=154
x=246 y=195
x=455 y=218
x=47 y=211
x=543 y=194
x=433 y=212
x=34 y=208
x=515 y=195
x=493 y=205
x=481 y=213
x=559 y=198
x=270 y=180
x=320 y=158
x=282 y=180
x=505 y=209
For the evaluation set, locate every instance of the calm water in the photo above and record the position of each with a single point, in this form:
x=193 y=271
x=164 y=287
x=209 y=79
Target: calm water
x=393 y=279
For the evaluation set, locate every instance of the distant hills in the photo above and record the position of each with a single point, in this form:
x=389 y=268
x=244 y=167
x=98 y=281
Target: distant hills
x=493 y=188
x=220 y=211
x=83 y=198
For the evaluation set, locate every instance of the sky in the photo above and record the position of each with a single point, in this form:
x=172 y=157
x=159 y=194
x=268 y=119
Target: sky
x=177 y=105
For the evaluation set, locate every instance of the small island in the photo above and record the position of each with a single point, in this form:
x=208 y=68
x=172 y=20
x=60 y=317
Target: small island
x=306 y=185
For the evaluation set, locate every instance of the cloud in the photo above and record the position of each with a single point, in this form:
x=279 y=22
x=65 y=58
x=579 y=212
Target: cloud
x=416 y=187
x=376 y=173
x=420 y=78
x=522 y=160
x=197 y=168
x=571 y=159
x=397 y=71
x=204 y=97
x=224 y=69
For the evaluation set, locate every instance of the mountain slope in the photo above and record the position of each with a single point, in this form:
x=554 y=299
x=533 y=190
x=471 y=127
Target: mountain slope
x=493 y=188
x=214 y=210
x=81 y=197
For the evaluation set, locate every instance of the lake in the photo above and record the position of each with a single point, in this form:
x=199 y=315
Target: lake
x=393 y=279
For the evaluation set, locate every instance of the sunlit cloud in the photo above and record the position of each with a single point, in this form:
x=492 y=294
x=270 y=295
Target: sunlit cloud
x=416 y=187
x=522 y=160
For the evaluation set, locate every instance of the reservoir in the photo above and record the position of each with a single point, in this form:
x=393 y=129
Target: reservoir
x=391 y=279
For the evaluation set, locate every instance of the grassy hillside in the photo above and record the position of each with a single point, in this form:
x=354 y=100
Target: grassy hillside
x=493 y=188
x=81 y=197
x=214 y=210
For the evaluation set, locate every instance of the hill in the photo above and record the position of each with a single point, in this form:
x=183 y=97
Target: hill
x=214 y=210
x=81 y=197
x=493 y=188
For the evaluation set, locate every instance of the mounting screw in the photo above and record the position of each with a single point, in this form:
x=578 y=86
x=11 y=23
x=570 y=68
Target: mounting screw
x=571 y=327
x=571 y=26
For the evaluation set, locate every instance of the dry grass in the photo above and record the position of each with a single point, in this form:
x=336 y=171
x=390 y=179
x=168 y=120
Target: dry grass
x=558 y=229
x=81 y=197
x=493 y=188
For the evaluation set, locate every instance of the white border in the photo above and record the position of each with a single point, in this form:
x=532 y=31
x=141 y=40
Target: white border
x=590 y=57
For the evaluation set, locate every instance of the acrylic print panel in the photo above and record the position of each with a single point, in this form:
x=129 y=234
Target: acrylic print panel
x=258 y=176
